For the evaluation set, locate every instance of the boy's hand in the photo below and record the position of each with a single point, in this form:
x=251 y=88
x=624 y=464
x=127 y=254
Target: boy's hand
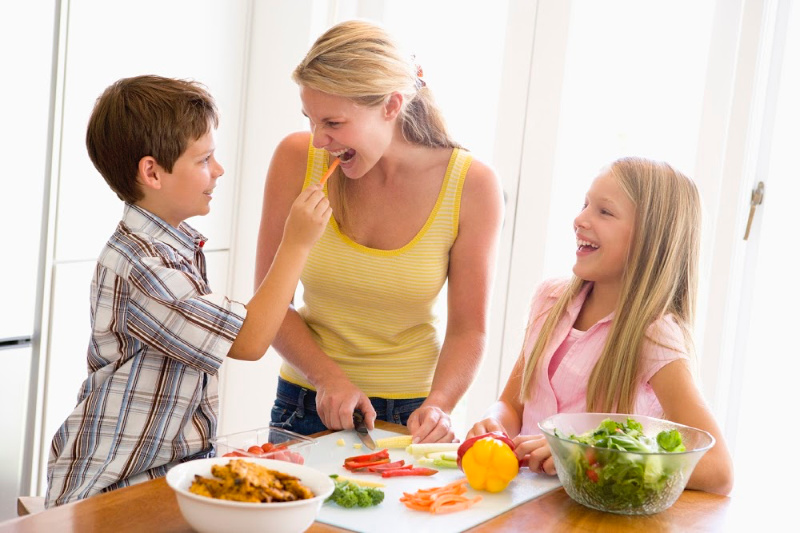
x=535 y=449
x=487 y=425
x=308 y=217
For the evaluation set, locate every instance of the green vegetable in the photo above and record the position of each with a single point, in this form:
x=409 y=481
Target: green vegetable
x=439 y=461
x=670 y=441
x=423 y=449
x=348 y=494
x=623 y=480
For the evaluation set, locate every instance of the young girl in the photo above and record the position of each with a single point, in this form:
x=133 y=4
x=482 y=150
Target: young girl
x=617 y=337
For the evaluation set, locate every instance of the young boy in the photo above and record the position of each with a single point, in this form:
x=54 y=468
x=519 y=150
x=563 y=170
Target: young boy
x=159 y=335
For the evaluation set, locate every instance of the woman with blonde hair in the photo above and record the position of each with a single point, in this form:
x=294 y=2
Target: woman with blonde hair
x=411 y=211
x=617 y=337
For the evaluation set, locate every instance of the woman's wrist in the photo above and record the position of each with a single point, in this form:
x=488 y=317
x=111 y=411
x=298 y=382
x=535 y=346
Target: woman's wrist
x=325 y=374
x=439 y=401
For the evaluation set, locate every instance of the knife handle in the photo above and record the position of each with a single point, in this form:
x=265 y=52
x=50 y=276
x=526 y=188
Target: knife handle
x=358 y=416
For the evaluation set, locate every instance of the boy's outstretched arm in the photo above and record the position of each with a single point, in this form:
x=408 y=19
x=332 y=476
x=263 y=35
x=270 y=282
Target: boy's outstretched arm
x=266 y=310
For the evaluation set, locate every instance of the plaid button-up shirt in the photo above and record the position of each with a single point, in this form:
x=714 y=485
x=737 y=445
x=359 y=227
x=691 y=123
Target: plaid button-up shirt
x=158 y=339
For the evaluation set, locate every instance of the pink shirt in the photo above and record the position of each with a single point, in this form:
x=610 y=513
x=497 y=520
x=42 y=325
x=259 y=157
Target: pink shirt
x=563 y=388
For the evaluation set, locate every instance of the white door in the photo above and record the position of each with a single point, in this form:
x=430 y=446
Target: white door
x=766 y=364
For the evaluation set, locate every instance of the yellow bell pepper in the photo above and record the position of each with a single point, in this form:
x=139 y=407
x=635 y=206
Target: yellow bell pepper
x=490 y=464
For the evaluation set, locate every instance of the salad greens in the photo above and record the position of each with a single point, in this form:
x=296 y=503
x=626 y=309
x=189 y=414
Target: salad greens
x=623 y=480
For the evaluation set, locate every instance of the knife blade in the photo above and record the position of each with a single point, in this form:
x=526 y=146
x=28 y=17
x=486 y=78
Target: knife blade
x=361 y=429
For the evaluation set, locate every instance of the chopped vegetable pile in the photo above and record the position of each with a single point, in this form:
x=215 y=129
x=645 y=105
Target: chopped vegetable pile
x=623 y=480
x=379 y=463
x=348 y=494
x=436 y=454
x=439 y=500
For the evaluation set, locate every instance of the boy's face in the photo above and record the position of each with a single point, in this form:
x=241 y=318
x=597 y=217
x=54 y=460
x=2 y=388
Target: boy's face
x=186 y=191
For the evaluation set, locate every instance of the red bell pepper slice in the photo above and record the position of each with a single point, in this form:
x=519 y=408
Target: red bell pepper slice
x=390 y=466
x=368 y=458
x=354 y=466
x=416 y=471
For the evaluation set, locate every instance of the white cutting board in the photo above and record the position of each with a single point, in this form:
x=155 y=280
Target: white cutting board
x=391 y=515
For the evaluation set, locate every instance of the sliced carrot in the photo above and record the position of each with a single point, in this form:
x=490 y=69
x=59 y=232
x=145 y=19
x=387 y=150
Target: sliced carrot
x=440 y=500
x=452 y=507
x=331 y=168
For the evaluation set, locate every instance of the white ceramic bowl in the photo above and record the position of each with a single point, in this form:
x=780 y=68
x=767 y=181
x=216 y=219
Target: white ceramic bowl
x=210 y=515
x=618 y=482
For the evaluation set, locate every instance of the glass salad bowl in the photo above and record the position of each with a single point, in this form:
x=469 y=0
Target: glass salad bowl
x=626 y=471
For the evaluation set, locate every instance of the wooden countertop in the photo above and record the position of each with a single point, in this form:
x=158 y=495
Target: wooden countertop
x=152 y=507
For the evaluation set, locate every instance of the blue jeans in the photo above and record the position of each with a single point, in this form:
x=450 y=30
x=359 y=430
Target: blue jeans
x=295 y=409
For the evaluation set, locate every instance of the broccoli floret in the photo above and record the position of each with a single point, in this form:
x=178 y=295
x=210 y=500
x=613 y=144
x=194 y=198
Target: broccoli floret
x=347 y=494
x=364 y=498
x=376 y=495
x=347 y=499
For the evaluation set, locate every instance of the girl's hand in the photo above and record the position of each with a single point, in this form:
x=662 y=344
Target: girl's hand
x=535 y=450
x=487 y=425
x=307 y=218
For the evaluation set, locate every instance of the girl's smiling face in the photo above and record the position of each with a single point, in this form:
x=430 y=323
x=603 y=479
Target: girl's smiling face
x=358 y=135
x=604 y=229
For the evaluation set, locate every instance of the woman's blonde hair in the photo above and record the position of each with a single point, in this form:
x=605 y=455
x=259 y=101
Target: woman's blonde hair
x=660 y=278
x=359 y=60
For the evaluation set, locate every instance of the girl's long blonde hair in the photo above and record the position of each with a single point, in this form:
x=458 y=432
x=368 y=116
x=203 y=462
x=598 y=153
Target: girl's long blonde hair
x=359 y=60
x=660 y=278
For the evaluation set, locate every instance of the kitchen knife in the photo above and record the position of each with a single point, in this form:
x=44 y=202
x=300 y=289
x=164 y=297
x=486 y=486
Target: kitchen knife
x=361 y=429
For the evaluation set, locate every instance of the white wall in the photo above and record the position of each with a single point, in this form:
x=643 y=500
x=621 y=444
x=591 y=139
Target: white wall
x=280 y=32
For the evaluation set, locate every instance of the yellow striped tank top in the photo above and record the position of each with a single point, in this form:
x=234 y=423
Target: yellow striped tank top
x=371 y=310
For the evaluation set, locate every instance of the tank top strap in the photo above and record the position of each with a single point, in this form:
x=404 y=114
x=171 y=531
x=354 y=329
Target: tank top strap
x=316 y=165
x=450 y=207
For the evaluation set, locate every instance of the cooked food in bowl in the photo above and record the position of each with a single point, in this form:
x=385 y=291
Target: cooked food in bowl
x=627 y=464
x=213 y=515
x=243 y=481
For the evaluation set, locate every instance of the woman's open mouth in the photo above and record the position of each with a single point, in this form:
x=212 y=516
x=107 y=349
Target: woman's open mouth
x=344 y=155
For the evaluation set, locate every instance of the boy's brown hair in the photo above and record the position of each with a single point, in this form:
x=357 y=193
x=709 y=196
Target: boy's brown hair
x=145 y=116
